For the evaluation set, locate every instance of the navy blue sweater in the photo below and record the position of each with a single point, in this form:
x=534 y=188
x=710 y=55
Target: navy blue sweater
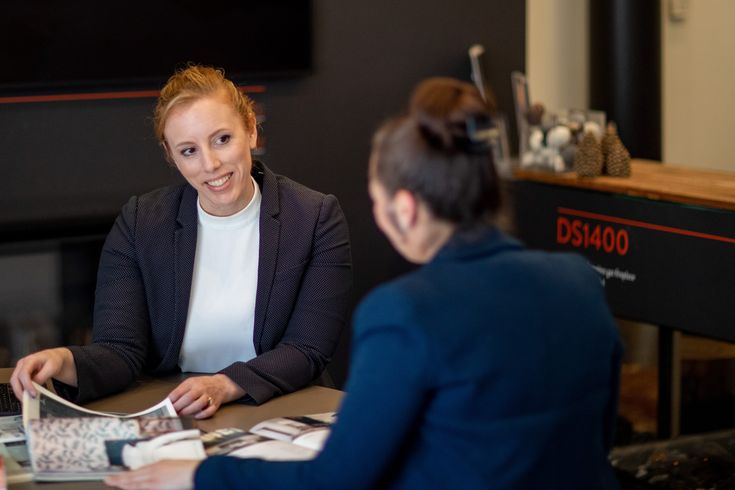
x=490 y=367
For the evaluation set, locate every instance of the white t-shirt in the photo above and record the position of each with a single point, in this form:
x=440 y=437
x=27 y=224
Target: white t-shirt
x=219 y=326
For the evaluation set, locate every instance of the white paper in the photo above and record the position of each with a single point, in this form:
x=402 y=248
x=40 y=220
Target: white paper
x=11 y=429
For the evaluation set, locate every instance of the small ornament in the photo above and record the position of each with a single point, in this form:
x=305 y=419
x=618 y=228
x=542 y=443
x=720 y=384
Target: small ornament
x=567 y=153
x=536 y=139
x=594 y=128
x=588 y=160
x=617 y=157
x=528 y=159
x=534 y=114
x=558 y=136
x=557 y=163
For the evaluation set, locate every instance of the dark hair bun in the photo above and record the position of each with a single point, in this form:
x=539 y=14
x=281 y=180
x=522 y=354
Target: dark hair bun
x=451 y=115
x=439 y=152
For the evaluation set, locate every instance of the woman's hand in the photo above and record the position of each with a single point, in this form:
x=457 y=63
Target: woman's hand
x=201 y=396
x=163 y=474
x=40 y=367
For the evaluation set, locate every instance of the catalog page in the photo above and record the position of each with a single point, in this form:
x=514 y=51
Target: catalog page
x=280 y=439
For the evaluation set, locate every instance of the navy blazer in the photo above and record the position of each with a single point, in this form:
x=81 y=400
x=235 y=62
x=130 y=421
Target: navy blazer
x=144 y=284
x=491 y=367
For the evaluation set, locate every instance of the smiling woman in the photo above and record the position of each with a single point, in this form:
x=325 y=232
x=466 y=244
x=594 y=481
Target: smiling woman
x=190 y=275
x=210 y=145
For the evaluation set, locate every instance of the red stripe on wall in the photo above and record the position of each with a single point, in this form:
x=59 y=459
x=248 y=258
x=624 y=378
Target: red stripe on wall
x=643 y=224
x=135 y=94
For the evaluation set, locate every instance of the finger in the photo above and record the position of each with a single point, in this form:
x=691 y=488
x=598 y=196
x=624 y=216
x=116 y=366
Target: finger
x=178 y=392
x=192 y=409
x=184 y=387
x=154 y=476
x=129 y=479
x=25 y=373
x=16 y=386
x=47 y=370
x=27 y=383
x=196 y=406
x=186 y=400
x=207 y=412
x=15 y=382
x=125 y=484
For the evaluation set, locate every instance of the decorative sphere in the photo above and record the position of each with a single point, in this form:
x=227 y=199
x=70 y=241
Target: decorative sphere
x=536 y=139
x=558 y=136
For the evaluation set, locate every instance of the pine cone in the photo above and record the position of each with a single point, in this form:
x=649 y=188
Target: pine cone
x=617 y=161
x=611 y=132
x=588 y=160
x=617 y=158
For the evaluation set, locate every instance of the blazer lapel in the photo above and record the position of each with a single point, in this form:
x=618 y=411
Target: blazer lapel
x=270 y=235
x=185 y=241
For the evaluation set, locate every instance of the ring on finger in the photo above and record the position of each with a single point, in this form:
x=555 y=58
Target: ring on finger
x=210 y=401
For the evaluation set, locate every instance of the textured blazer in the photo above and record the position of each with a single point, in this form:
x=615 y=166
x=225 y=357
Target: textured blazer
x=491 y=367
x=144 y=284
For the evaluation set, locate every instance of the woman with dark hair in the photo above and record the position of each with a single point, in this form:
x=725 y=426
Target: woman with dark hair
x=491 y=366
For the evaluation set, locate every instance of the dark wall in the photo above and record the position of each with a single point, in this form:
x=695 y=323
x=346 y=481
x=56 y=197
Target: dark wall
x=367 y=57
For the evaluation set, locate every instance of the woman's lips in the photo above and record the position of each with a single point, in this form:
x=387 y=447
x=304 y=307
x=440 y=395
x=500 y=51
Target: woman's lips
x=220 y=182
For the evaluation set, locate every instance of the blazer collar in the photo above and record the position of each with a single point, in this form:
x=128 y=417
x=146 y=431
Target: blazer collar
x=466 y=244
x=270 y=204
x=188 y=208
x=270 y=241
x=185 y=240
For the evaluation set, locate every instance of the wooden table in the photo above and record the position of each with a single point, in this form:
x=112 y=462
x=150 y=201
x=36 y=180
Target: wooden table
x=313 y=399
x=663 y=241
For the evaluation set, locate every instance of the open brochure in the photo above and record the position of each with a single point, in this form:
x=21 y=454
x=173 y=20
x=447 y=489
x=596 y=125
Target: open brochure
x=279 y=439
x=69 y=442
x=47 y=404
x=89 y=448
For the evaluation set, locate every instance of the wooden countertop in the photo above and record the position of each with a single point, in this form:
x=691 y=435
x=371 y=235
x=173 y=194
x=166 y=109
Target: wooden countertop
x=653 y=180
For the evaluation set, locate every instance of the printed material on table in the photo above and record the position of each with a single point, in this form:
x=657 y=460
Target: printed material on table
x=67 y=442
x=16 y=463
x=11 y=429
x=88 y=448
x=294 y=438
x=184 y=444
x=47 y=404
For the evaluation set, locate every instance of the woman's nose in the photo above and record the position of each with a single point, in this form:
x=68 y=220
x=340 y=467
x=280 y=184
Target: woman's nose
x=210 y=162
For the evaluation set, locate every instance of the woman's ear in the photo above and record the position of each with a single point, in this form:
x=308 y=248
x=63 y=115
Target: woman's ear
x=405 y=207
x=253 y=136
